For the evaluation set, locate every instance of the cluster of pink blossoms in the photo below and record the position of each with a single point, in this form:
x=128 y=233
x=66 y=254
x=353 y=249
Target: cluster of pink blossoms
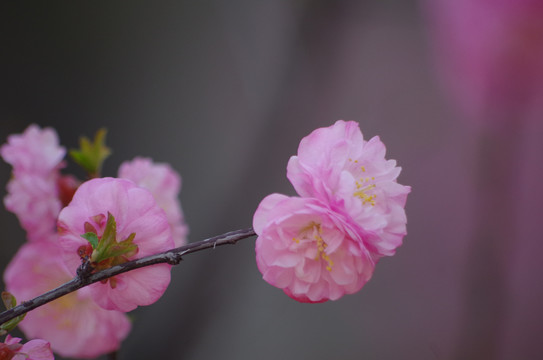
x=350 y=213
x=138 y=212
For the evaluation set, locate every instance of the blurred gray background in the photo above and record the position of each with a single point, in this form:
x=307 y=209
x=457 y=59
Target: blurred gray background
x=224 y=91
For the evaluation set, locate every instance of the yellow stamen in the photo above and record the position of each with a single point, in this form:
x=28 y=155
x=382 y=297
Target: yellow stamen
x=315 y=231
x=366 y=199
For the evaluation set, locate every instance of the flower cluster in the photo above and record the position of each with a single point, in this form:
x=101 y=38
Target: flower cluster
x=105 y=221
x=33 y=191
x=350 y=213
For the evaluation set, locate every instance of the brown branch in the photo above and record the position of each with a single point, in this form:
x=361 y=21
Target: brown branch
x=86 y=277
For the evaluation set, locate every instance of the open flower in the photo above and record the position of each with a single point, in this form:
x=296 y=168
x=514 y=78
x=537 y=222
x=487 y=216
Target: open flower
x=165 y=184
x=33 y=193
x=74 y=324
x=336 y=165
x=308 y=250
x=36 y=349
x=129 y=219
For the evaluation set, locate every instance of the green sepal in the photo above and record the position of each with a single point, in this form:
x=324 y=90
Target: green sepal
x=125 y=247
x=92 y=238
x=10 y=302
x=109 y=248
x=91 y=155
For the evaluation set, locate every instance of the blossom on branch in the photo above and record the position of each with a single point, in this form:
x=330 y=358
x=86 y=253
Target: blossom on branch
x=308 y=250
x=325 y=244
x=165 y=184
x=336 y=165
x=127 y=218
x=36 y=349
x=33 y=193
x=74 y=324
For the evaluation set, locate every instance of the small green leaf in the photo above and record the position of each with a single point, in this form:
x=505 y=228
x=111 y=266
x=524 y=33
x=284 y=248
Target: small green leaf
x=92 y=238
x=91 y=156
x=11 y=324
x=9 y=300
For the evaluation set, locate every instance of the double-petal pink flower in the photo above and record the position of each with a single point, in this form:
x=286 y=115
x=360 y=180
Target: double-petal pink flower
x=308 y=250
x=336 y=165
x=325 y=244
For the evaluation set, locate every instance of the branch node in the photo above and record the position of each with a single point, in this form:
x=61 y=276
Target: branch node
x=173 y=258
x=84 y=270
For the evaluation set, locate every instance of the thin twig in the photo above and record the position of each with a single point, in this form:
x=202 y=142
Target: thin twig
x=85 y=277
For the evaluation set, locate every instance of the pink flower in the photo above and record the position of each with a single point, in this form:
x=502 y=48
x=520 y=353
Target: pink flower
x=36 y=349
x=337 y=166
x=490 y=54
x=308 y=250
x=74 y=324
x=33 y=193
x=34 y=199
x=165 y=184
x=35 y=151
x=137 y=214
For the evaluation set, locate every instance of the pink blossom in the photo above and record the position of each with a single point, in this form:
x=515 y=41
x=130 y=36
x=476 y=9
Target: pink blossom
x=36 y=349
x=490 y=54
x=136 y=212
x=34 y=199
x=165 y=184
x=308 y=250
x=74 y=324
x=337 y=166
x=34 y=151
x=33 y=193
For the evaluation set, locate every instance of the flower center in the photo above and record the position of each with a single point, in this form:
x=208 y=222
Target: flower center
x=106 y=251
x=313 y=233
x=364 y=185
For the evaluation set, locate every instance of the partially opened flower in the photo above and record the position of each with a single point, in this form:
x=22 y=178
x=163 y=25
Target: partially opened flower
x=74 y=324
x=336 y=165
x=119 y=221
x=311 y=252
x=33 y=191
x=165 y=184
x=36 y=349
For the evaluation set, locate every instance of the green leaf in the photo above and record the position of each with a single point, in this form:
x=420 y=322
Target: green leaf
x=91 y=156
x=11 y=324
x=92 y=238
x=9 y=300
